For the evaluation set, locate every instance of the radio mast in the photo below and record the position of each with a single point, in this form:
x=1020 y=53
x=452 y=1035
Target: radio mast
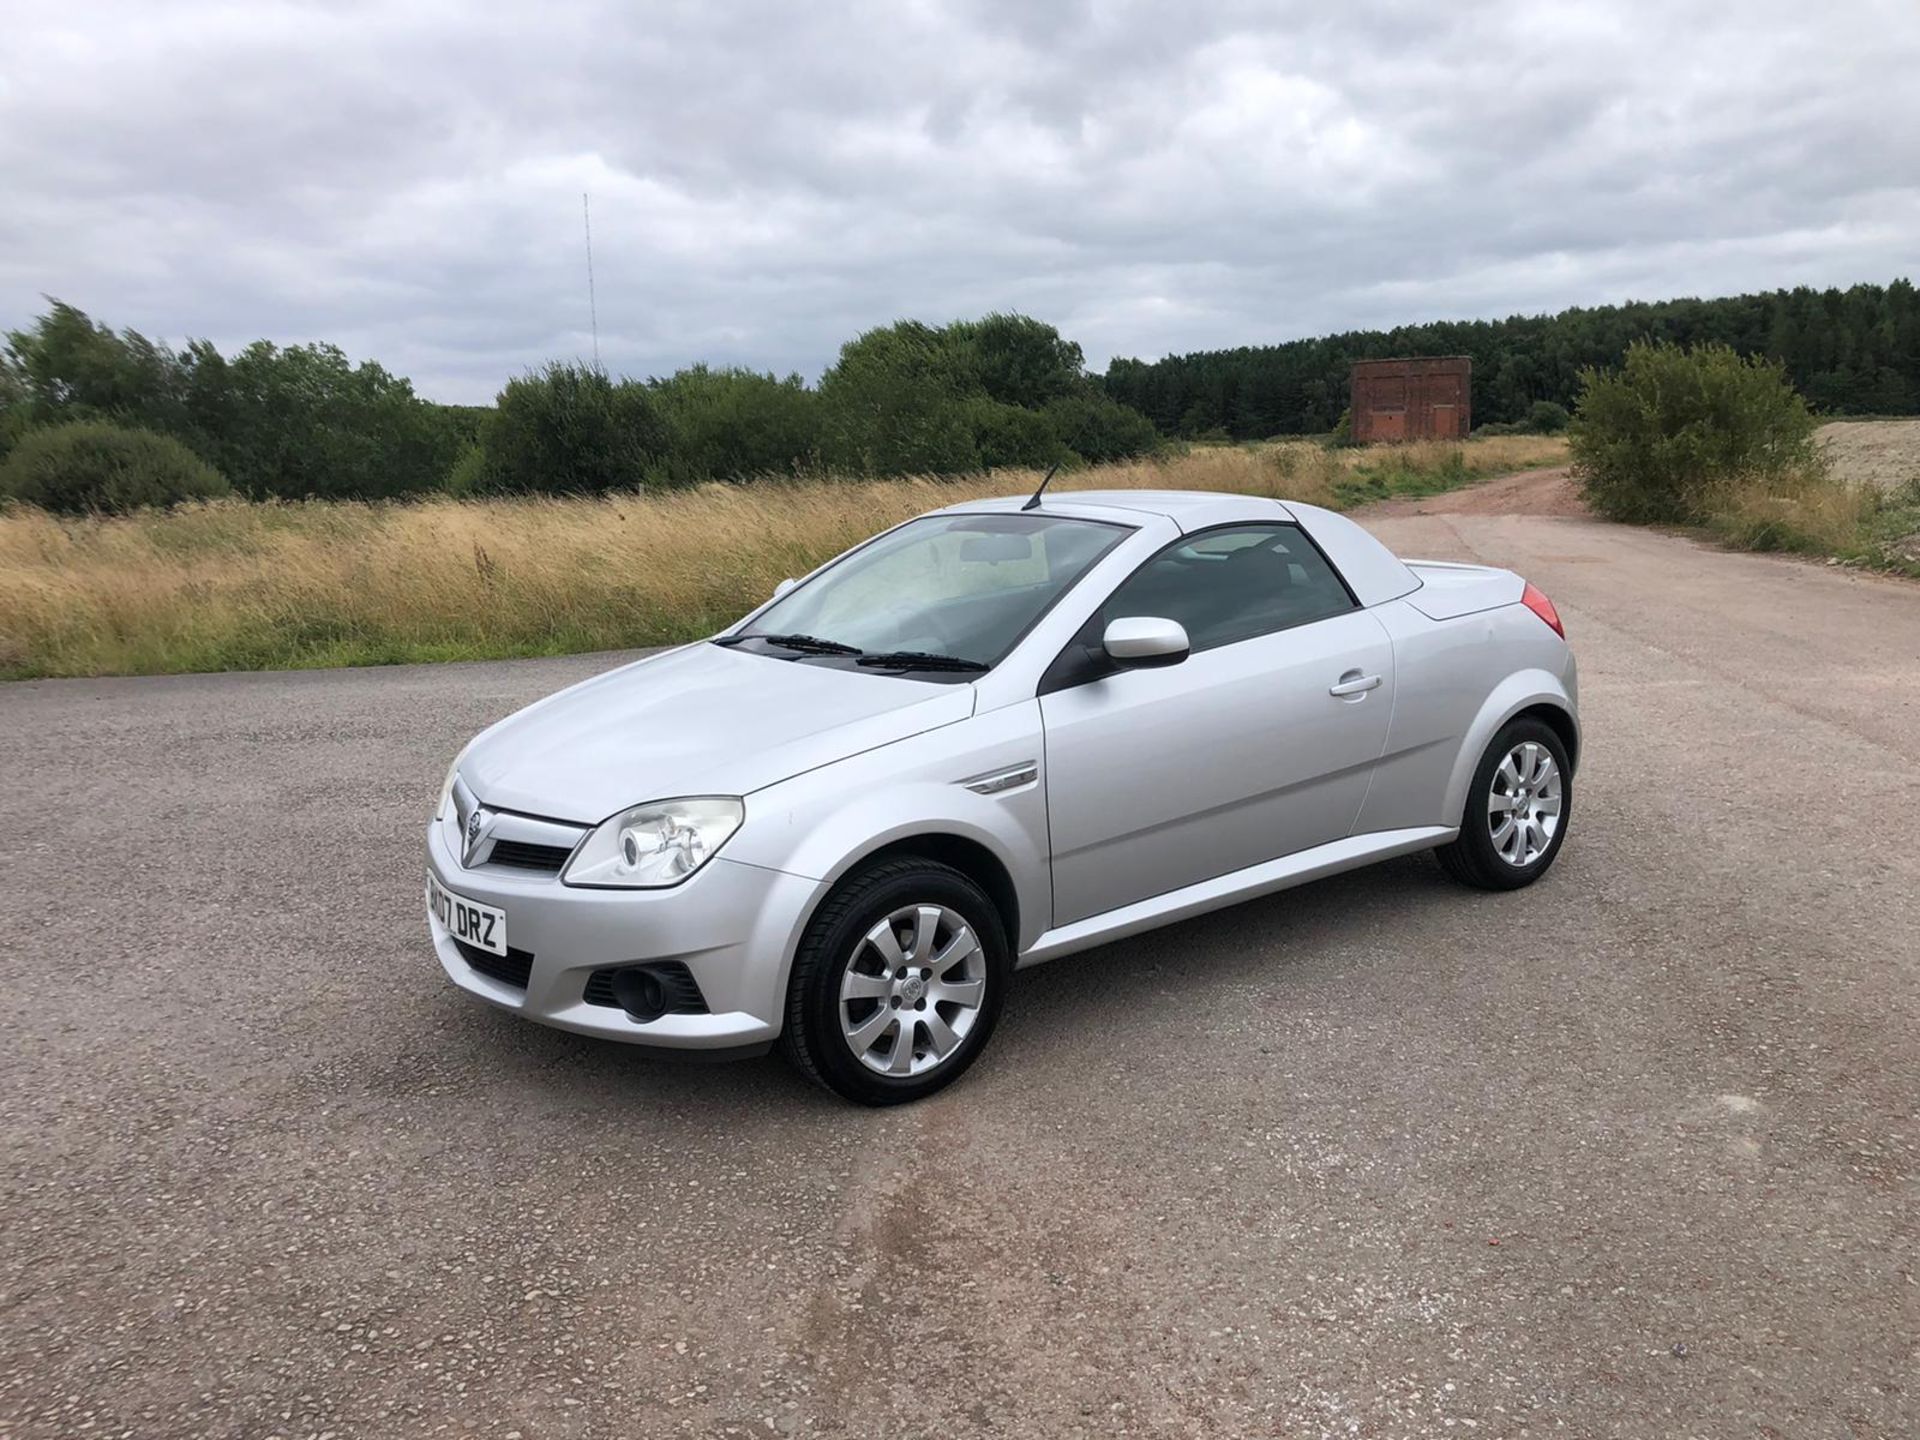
x=593 y=306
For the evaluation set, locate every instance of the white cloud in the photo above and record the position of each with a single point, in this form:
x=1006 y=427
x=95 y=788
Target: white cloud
x=768 y=179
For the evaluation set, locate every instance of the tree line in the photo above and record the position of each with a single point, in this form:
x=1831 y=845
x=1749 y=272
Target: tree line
x=81 y=403
x=1849 y=352
x=91 y=417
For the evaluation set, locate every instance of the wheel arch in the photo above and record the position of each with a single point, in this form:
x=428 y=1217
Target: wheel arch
x=1531 y=693
x=1558 y=719
x=969 y=856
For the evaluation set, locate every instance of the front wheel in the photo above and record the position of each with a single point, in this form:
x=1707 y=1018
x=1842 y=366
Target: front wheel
x=897 y=983
x=1517 y=810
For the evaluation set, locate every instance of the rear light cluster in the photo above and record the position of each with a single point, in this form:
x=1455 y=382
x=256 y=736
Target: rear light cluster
x=1534 y=600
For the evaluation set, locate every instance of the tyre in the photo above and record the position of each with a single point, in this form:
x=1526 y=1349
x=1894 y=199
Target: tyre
x=897 y=983
x=1517 y=810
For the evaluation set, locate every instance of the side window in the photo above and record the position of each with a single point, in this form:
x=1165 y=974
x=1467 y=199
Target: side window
x=1233 y=584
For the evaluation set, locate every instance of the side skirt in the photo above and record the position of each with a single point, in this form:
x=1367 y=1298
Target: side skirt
x=1231 y=889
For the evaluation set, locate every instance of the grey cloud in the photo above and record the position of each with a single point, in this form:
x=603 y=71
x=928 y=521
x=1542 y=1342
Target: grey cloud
x=767 y=180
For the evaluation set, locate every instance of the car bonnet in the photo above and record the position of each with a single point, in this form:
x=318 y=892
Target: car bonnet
x=702 y=720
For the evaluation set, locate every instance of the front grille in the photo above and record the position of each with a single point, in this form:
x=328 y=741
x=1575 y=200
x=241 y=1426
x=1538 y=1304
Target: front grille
x=524 y=855
x=512 y=968
x=683 y=991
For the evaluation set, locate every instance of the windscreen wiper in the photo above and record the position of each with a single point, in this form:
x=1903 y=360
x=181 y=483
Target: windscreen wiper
x=918 y=660
x=810 y=644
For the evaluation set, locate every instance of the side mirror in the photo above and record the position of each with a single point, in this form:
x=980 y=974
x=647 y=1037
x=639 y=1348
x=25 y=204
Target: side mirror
x=1140 y=642
x=784 y=586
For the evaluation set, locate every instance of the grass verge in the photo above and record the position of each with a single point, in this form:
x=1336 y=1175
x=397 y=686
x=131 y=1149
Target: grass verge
x=237 y=585
x=1815 y=513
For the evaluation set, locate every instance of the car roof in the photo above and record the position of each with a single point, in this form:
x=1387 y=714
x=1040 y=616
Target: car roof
x=1189 y=509
x=1373 y=572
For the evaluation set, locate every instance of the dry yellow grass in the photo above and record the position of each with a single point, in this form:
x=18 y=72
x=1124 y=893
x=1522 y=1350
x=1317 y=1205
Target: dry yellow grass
x=1812 y=512
x=237 y=585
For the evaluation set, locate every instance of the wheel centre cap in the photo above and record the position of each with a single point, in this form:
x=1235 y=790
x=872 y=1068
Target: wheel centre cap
x=912 y=988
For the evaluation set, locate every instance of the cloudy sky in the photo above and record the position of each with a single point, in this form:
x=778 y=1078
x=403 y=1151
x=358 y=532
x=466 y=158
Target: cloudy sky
x=405 y=178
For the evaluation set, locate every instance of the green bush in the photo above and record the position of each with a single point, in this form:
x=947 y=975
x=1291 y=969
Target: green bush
x=94 y=466
x=1655 y=440
x=1098 y=428
x=1007 y=435
x=736 y=425
x=569 y=430
x=895 y=403
x=1545 y=417
x=292 y=422
x=1016 y=359
x=304 y=420
x=468 y=473
x=1342 y=429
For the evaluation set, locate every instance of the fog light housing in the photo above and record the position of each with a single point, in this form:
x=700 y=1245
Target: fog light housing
x=640 y=993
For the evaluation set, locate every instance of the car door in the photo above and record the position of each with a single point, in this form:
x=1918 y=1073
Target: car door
x=1261 y=743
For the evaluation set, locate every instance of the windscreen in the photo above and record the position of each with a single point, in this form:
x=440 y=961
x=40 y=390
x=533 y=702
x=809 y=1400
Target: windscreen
x=963 y=586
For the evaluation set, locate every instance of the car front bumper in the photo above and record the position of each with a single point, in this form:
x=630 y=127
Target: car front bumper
x=733 y=926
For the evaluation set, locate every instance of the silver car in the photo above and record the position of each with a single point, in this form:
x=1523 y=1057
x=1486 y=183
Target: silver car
x=987 y=738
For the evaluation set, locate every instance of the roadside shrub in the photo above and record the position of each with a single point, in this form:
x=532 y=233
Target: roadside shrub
x=306 y=421
x=1654 y=441
x=895 y=403
x=1016 y=359
x=731 y=424
x=1546 y=417
x=13 y=424
x=468 y=473
x=1007 y=435
x=1342 y=429
x=93 y=466
x=1098 y=428
x=569 y=430
x=1543 y=417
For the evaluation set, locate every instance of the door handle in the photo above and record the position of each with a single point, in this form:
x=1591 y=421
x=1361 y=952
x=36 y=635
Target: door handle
x=1353 y=683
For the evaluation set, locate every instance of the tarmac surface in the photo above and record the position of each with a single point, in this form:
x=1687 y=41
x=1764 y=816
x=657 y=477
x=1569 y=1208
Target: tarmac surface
x=1631 y=1153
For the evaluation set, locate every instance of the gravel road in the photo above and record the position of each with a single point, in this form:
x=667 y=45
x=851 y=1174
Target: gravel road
x=1632 y=1153
x=1883 y=453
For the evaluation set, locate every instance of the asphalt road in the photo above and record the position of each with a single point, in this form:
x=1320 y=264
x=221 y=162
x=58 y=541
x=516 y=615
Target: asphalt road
x=1631 y=1153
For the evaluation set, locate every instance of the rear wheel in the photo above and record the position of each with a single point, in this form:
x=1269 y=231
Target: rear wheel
x=897 y=983
x=1517 y=810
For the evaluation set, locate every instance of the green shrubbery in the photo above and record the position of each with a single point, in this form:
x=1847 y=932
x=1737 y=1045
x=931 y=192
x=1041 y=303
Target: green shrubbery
x=1099 y=429
x=913 y=399
x=92 y=466
x=1547 y=417
x=1543 y=417
x=735 y=424
x=1663 y=438
x=1006 y=436
x=1004 y=390
x=570 y=430
x=289 y=422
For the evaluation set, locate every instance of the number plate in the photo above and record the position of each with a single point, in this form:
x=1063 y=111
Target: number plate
x=468 y=920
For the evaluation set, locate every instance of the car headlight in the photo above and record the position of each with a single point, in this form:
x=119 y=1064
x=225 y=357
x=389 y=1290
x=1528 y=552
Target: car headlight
x=651 y=846
x=446 y=788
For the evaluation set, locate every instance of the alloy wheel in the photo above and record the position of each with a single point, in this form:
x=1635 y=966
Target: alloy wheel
x=1524 y=805
x=912 y=990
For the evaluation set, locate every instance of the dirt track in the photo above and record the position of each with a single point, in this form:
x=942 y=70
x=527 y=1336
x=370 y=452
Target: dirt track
x=1549 y=492
x=1633 y=1153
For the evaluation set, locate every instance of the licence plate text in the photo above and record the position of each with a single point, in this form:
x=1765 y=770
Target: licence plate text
x=468 y=920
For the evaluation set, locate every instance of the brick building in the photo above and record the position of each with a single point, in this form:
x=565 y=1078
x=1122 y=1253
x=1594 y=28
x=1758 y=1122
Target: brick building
x=1412 y=399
